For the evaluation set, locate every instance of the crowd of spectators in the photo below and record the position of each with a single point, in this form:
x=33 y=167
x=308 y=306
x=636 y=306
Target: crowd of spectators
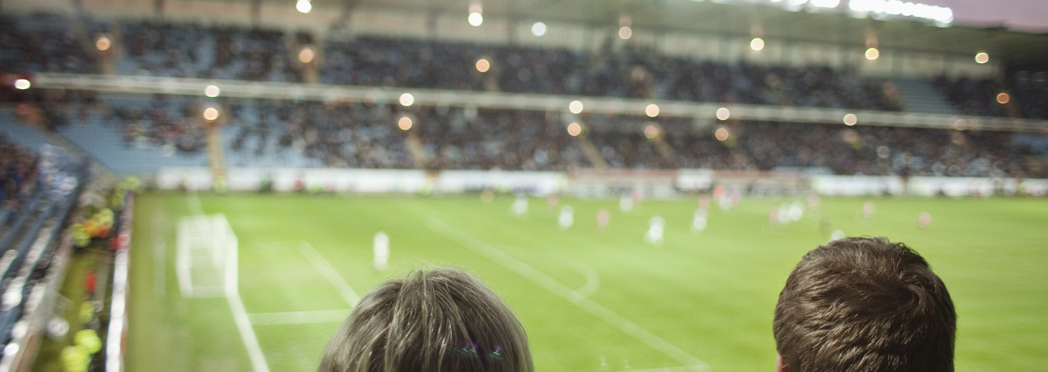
x=42 y=43
x=188 y=50
x=169 y=121
x=632 y=72
x=1026 y=95
x=367 y=135
x=17 y=173
x=888 y=150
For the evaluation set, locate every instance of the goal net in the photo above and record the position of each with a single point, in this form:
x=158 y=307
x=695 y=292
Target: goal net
x=206 y=260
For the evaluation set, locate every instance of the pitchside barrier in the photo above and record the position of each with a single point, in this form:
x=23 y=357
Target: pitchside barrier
x=590 y=182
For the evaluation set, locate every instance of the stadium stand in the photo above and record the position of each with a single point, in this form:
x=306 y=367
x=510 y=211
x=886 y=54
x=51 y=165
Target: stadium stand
x=32 y=221
x=137 y=133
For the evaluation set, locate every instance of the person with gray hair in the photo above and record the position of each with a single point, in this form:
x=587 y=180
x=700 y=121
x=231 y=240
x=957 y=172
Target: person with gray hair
x=438 y=320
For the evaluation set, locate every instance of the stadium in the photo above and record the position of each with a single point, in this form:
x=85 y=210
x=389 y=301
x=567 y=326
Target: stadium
x=213 y=185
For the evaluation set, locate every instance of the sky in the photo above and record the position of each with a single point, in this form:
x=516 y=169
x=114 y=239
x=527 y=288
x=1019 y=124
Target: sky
x=1018 y=15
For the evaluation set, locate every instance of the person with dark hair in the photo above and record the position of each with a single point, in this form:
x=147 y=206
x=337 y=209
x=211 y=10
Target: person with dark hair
x=864 y=304
x=439 y=320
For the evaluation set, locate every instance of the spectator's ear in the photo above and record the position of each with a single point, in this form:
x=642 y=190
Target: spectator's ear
x=779 y=367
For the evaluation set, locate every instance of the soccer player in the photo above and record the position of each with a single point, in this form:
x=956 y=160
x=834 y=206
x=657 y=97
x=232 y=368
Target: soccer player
x=440 y=320
x=698 y=222
x=520 y=206
x=603 y=219
x=656 y=226
x=924 y=220
x=864 y=304
x=381 y=250
x=566 y=218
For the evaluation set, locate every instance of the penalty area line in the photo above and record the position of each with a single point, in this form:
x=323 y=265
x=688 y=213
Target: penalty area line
x=578 y=299
x=348 y=294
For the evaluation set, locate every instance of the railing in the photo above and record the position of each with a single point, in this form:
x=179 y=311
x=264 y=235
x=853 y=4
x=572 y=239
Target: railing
x=704 y=112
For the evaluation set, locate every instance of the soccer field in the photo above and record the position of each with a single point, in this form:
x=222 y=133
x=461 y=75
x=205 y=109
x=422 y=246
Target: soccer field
x=589 y=300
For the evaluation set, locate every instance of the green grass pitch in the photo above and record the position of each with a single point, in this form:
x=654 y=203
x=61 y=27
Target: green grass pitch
x=707 y=297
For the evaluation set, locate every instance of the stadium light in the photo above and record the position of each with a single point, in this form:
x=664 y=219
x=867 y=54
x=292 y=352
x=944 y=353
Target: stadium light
x=574 y=129
x=404 y=123
x=22 y=84
x=872 y=54
x=306 y=55
x=942 y=16
x=721 y=134
x=575 y=107
x=475 y=19
x=982 y=58
x=212 y=91
x=850 y=119
x=828 y=4
x=304 y=6
x=210 y=114
x=651 y=131
x=483 y=65
x=625 y=32
x=1003 y=98
x=538 y=29
x=652 y=110
x=757 y=44
x=103 y=43
x=407 y=99
x=723 y=114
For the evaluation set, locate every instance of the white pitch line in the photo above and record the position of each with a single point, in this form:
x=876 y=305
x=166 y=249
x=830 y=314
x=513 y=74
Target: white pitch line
x=299 y=317
x=573 y=296
x=329 y=273
x=247 y=333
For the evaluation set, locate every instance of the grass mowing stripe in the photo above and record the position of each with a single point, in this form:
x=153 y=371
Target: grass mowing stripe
x=576 y=298
x=330 y=273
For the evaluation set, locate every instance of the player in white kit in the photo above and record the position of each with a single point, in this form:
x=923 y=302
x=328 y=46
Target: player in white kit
x=381 y=250
x=655 y=228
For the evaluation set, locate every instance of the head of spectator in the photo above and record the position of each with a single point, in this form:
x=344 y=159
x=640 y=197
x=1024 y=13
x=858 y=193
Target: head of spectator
x=864 y=304
x=439 y=320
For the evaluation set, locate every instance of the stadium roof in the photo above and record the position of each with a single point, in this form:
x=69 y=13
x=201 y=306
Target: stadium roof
x=749 y=20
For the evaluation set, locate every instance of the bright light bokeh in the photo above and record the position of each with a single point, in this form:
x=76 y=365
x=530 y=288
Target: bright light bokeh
x=1003 y=98
x=306 y=55
x=538 y=29
x=872 y=54
x=212 y=91
x=651 y=131
x=103 y=43
x=22 y=84
x=723 y=113
x=574 y=129
x=652 y=110
x=721 y=134
x=210 y=114
x=483 y=65
x=404 y=123
x=407 y=99
x=575 y=107
x=304 y=6
x=475 y=19
x=757 y=44
x=982 y=58
x=850 y=119
x=625 y=32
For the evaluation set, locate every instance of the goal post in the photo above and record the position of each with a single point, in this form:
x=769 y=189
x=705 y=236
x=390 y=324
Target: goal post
x=206 y=258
